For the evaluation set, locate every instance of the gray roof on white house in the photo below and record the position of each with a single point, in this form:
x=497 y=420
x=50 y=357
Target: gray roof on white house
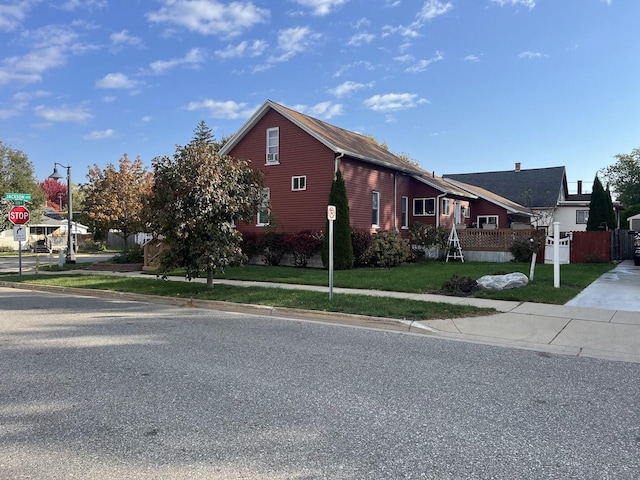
x=532 y=188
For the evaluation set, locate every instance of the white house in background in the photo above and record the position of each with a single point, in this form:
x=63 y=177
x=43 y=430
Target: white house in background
x=54 y=231
x=573 y=211
x=634 y=222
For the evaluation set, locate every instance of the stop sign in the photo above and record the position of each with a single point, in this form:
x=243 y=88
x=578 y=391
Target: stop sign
x=19 y=215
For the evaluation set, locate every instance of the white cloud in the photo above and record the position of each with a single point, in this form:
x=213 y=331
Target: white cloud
x=100 y=134
x=123 y=38
x=193 y=58
x=293 y=41
x=117 y=80
x=529 y=54
x=360 y=38
x=432 y=9
x=525 y=3
x=348 y=87
x=51 y=47
x=210 y=17
x=12 y=16
x=422 y=65
x=321 y=7
x=394 y=101
x=64 y=113
x=471 y=58
x=253 y=49
x=323 y=110
x=228 y=110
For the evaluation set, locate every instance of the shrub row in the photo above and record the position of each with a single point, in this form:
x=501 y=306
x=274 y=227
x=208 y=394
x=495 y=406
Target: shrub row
x=381 y=249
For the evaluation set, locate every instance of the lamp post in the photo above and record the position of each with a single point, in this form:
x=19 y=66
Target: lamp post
x=71 y=254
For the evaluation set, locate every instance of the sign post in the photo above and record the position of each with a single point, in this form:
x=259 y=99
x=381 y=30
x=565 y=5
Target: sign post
x=19 y=235
x=331 y=216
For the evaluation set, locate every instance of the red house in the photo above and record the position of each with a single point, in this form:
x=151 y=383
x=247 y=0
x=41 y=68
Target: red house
x=299 y=155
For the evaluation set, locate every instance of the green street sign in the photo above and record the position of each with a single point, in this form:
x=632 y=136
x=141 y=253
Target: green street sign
x=21 y=197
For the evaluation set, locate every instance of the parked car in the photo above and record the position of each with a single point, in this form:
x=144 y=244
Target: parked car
x=636 y=248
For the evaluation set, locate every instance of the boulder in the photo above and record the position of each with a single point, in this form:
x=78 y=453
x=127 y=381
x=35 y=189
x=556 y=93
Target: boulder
x=503 y=282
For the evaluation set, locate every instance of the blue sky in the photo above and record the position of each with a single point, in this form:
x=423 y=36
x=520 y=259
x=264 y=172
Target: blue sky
x=459 y=85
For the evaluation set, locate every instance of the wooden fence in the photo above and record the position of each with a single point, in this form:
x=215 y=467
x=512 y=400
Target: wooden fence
x=499 y=240
x=586 y=247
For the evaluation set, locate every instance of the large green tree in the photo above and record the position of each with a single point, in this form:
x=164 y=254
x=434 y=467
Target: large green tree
x=624 y=177
x=114 y=198
x=197 y=197
x=342 y=246
x=17 y=176
x=601 y=214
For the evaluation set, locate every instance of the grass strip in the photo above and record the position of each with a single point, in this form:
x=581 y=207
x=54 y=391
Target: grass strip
x=428 y=277
x=274 y=297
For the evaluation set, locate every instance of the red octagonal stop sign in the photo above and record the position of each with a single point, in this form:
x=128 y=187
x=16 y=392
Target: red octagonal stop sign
x=19 y=215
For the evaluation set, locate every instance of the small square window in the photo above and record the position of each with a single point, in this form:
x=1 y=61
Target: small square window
x=299 y=183
x=582 y=216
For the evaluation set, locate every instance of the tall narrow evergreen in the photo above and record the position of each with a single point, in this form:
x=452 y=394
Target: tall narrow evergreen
x=601 y=214
x=342 y=247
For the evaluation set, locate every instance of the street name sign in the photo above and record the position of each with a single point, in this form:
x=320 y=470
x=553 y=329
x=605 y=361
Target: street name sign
x=22 y=197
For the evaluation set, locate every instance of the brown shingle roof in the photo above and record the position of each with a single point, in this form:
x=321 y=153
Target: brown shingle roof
x=351 y=144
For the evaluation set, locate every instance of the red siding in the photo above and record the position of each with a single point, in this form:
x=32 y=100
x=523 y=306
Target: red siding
x=481 y=207
x=299 y=154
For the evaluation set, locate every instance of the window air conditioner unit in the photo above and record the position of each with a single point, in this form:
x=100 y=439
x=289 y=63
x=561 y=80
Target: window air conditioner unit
x=272 y=157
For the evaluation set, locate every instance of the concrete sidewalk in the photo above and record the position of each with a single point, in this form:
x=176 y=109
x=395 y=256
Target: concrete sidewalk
x=609 y=332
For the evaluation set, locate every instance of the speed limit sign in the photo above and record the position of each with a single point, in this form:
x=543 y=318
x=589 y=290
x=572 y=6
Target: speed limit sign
x=331 y=212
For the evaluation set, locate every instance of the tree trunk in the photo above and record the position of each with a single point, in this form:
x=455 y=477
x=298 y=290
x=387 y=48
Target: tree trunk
x=210 y=278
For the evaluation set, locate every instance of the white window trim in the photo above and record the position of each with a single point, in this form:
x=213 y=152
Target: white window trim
x=487 y=217
x=298 y=178
x=404 y=212
x=446 y=207
x=375 y=224
x=424 y=199
x=272 y=154
x=266 y=198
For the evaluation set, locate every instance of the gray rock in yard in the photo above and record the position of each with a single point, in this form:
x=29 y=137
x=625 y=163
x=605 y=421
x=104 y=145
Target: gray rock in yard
x=503 y=282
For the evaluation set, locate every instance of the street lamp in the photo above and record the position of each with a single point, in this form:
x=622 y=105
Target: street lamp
x=71 y=254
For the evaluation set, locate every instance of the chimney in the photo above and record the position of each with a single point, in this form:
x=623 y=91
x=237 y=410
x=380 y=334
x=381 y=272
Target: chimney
x=579 y=187
x=518 y=165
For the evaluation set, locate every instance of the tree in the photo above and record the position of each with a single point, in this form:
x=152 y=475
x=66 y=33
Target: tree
x=601 y=215
x=55 y=191
x=16 y=176
x=197 y=197
x=624 y=177
x=115 y=198
x=342 y=247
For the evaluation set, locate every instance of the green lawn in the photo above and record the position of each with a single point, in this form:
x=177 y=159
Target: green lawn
x=428 y=277
x=423 y=277
x=275 y=297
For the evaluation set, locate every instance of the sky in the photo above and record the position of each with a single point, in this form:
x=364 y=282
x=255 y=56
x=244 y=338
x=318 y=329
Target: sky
x=459 y=86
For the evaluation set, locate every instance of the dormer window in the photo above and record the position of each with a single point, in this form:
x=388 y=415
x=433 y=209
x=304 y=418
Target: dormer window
x=273 y=146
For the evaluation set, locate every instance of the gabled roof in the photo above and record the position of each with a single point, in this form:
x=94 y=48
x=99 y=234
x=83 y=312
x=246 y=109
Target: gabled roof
x=508 y=205
x=339 y=140
x=532 y=188
x=351 y=144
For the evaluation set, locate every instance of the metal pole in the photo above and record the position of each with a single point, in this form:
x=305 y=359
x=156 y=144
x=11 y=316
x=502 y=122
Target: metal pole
x=330 y=259
x=20 y=257
x=71 y=254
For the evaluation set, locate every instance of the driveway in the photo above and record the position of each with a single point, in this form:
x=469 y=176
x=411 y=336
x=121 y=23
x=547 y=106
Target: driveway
x=618 y=289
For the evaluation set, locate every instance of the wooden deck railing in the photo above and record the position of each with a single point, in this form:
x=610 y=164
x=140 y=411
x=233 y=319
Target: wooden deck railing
x=500 y=240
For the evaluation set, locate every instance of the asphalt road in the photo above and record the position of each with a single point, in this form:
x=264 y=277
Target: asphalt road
x=97 y=388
